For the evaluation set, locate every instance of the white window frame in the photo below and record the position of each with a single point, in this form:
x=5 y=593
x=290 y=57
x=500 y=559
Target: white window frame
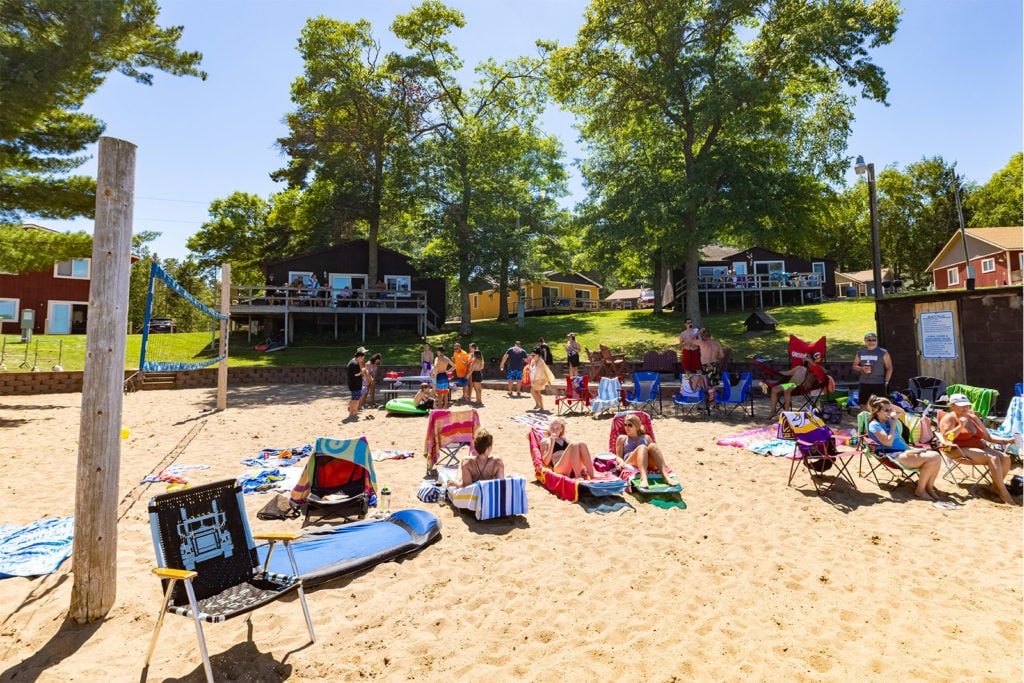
x=16 y=316
x=398 y=283
x=952 y=276
x=72 y=276
x=988 y=265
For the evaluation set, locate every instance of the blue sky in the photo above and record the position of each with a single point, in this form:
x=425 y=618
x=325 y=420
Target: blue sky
x=954 y=69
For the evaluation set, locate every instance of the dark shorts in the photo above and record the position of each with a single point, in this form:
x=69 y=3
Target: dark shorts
x=867 y=391
x=357 y=394
x=461 y=381
x=477 y=376
x=574 y=360
x=441 y=382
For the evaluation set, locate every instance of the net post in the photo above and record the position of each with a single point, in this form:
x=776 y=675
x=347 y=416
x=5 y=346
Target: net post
x=94 y=556
x=225 y=308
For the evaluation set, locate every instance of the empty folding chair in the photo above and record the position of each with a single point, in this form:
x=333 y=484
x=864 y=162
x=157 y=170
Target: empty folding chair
x=449 y=431
x=646 y=391
x=576 y=396
x=730 y=397
x=609 y=396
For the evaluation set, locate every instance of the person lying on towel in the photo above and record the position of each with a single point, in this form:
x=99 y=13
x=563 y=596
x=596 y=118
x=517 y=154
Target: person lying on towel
x=571 y=458
x=637 y=449
x=483 y=466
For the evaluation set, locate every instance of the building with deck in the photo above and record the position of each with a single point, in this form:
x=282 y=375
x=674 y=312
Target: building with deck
x=554 y=292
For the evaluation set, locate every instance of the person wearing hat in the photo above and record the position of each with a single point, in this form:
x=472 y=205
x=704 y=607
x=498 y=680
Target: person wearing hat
x=874 y=368
x=961 y=428
x=354 y=375
x=572 y=354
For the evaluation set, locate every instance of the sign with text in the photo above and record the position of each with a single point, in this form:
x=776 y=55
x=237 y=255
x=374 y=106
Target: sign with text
x=938 y=335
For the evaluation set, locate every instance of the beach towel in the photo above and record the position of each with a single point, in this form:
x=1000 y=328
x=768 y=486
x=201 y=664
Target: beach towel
x=279 y=457
x=448 y=427
x=1013 y=426
x=536 y=420
x=260 y=481
x=388 y=454
x=37 y=548
x=982 y=400
x=171 y=474
x=489 y=498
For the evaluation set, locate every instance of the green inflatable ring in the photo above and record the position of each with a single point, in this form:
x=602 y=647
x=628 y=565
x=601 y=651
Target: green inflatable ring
x=404 y=406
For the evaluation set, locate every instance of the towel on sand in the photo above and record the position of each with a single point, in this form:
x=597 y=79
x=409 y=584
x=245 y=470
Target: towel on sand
x=37 y=548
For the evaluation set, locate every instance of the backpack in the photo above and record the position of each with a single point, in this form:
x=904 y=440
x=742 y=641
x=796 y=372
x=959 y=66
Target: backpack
x=832 y=412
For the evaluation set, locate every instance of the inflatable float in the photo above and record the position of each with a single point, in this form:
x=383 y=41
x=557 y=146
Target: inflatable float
x=404 y=406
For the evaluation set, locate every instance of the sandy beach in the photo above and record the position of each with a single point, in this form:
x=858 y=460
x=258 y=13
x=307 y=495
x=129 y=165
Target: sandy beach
x=753 y=581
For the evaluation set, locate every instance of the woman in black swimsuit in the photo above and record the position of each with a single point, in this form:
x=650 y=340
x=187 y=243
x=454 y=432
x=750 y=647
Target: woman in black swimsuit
x=476 y=376
x=571 y=458
x=482 y=466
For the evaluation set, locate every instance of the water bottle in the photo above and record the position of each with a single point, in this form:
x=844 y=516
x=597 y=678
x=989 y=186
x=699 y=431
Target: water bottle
x=441 y=493
x=385 y=501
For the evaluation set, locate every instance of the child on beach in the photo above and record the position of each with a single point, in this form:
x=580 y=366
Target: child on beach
x=424 y=398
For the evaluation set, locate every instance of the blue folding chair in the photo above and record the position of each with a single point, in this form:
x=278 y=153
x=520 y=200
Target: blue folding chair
x=691 y=399
x=646 y=390
x=729 y=397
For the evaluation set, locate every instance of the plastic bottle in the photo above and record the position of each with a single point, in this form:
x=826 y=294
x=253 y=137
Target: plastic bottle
x=441 y=493
x=385 y=500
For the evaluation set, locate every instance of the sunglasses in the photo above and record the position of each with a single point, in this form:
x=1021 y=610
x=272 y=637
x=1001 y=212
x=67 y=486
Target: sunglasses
x=871 y=339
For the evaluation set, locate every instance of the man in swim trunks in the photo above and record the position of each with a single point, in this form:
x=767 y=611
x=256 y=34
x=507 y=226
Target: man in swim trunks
x=799 y=376
x=442 y=364
x=516 y=358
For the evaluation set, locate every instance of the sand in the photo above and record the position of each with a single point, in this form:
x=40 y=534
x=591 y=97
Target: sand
x=755 y=580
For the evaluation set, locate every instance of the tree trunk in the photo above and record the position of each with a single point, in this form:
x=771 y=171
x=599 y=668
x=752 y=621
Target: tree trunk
x=373 y=233
x=94 y=556
x=691 y=259
x=503 y=290
x=658 y=284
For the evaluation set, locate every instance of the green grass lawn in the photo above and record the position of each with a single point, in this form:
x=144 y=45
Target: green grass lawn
x=632 y=332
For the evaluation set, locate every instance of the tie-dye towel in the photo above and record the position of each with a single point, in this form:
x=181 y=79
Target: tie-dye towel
x=37 y=548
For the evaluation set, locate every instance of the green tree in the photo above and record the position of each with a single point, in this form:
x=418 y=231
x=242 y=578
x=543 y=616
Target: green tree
x=348 y=141
x=469 y=177
x=53 y=55
x=138 y=279
x=743 y=98
x=25 y=250
x=999 y=203
x=239 y=232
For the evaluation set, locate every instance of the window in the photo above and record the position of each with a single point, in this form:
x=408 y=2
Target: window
x=76 y=268
x=988 y=265
x=476 y=301
x=8 y=309
x=952 y=277
x=398 y=283
x=582 y=293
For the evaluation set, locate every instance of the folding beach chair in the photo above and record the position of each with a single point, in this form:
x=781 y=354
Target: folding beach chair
x=487 y=499
x=338 y=480
x=924 y=388
x=730 y=397
x=576 y=397
x=1012 y=426
x=876 y=459
x=814 y=355
x=983 y=401
x=609 y=396
x=692 y=397
x=207 y=559
x=961 y=470
x=571 y=488
x=814 y=450
x=448 y=432
x=646 y=391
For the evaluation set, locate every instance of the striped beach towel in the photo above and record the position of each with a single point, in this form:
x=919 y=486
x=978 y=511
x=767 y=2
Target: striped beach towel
x=490 y=498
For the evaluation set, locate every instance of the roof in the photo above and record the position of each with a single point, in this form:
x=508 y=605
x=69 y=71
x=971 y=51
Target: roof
x=715 y=252
x=569 y=278
x=865 y=276
x=980 y=242
x=623 y=294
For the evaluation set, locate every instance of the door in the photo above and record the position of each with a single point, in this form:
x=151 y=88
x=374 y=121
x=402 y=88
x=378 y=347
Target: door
x=939 y=341
x=60 y=318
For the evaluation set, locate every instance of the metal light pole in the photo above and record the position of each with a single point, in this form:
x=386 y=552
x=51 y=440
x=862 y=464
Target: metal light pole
x=860 y=168
x=969 y=282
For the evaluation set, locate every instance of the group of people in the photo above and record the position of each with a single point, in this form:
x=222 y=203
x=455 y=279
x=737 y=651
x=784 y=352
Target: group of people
x=465 y=368
x=699 y=353
x=363 y=377
x=530 y=370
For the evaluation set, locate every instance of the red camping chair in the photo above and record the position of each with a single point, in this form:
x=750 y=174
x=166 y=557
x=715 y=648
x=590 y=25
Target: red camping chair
x=799 y=352
x=576 y=396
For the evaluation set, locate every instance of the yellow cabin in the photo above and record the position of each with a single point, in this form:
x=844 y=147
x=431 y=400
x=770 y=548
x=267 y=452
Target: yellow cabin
x=556 y=293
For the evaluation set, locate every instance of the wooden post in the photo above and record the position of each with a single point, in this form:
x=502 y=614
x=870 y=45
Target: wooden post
x=94 y=557
x=225 y=308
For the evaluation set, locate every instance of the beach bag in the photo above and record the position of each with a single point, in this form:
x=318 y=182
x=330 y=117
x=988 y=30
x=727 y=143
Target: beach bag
x=819 y=464
x=832 y=412
x=1016 y=485
x=279 y=507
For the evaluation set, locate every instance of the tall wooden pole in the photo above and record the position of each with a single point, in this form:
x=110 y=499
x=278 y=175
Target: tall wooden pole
x=225 y=308
x=94 y=557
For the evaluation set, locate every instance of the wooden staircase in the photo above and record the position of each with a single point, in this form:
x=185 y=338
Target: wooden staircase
x=159 y=380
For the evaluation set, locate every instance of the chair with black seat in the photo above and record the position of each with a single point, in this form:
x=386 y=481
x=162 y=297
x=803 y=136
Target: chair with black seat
x=338 y=480
x=923 y=388
x=208 y=562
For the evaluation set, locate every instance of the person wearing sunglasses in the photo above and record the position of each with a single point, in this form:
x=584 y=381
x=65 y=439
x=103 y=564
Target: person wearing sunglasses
x=874 y=368
x=886 y=430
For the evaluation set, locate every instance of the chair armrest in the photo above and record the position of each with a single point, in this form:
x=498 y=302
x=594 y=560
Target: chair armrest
x=178 y=574
x=276 y=537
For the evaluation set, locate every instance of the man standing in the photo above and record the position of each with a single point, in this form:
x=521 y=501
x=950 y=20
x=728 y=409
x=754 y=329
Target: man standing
x=442 y=364
x=689 y=351
x=461 y=360
x=711 y=354
x=516 y=359
x=354 y=374
x=875 y=368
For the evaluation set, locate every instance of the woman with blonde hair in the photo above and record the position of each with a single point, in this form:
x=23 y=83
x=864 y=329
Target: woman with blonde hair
x=885 y=428
x=540 y=377
x=637 y=449
x=571 y=458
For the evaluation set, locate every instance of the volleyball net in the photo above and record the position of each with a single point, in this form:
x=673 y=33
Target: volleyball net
x=179 y=331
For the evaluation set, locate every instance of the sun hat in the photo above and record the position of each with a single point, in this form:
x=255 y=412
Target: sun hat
x=959 y=400
x=361 y=351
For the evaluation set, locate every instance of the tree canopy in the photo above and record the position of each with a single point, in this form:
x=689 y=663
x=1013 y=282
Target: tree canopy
x=999 y=203
x=54 y=54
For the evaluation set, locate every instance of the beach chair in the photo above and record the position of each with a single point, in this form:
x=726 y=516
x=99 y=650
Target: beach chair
x=813 y=354
x=731 y=397
x=207 y=560
x=612 y=364
x=1012 y=426
x=488 y=499
x=448 y=432
x=596 y=367
x=575 y=398
x=814 y=451
x=923 y=388
x=570 y=488
x=609 y=396
x=959 y=469
x=692 y=397
x=875 y=459
x=646 y=391
x=338 y=480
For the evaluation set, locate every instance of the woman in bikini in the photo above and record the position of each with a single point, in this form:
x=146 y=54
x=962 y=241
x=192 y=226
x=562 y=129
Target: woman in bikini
x=571 y=458
x=481 y=467
x=637 y=449
x=476 y=376
x=962 y=428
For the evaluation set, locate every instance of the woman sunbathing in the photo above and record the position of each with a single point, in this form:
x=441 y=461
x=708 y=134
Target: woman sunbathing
x=571 y=458
x=481 y=467
x=637 y=449
x=885 y=428
x=962 y=428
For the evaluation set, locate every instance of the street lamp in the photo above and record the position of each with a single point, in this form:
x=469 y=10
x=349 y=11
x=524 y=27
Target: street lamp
x=969 y=282
x=861 y=168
